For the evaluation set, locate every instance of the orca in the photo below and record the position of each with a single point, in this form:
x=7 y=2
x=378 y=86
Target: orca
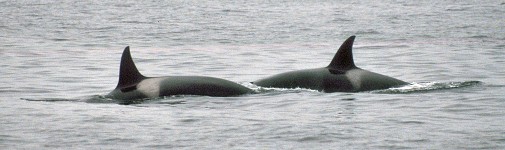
x=132 y=85
x=341 y=75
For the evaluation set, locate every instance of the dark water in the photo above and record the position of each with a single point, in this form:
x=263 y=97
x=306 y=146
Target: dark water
x=60 y=58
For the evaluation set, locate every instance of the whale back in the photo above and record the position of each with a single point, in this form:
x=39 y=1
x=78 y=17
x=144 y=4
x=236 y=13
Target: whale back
x=129 y=75
x=341 y=75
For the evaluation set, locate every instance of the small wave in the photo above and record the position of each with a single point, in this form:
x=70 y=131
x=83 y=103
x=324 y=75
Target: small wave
x=60 y=39
x=479 y=36
x=428 y=86
x=49 y=99
x=98 y=99
x=457 y=8
x=384 y=46
x=367 y=32
x=283 y=90
x=259 y=89
x=169 y=100
x=87 y=99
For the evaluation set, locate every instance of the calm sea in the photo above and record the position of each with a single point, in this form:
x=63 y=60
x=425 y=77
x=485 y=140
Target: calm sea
x=60 y=58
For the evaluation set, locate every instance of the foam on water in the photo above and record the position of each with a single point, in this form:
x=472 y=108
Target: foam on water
x=428 y=87
x=411 y=88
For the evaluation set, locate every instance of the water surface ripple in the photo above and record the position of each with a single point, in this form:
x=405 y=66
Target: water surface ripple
x=60 y=58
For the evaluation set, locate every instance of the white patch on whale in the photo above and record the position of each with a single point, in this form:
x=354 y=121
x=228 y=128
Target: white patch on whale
x=150 y=87
x=354 y=76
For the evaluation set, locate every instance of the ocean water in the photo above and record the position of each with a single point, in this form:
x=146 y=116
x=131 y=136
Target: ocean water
x=60 y=58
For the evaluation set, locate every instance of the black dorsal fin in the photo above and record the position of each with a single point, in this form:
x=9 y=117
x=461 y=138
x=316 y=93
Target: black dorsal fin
x=129 y=76
x=343 y=59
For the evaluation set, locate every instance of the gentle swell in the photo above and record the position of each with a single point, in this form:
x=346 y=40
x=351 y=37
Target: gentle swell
x=411 y=88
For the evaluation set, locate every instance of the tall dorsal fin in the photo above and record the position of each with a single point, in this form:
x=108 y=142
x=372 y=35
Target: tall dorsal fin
x=343 y=59
x=129 y=76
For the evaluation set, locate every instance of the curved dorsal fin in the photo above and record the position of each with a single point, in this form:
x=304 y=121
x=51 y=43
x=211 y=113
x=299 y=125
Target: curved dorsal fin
x=128 y=74
x=343 y=59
